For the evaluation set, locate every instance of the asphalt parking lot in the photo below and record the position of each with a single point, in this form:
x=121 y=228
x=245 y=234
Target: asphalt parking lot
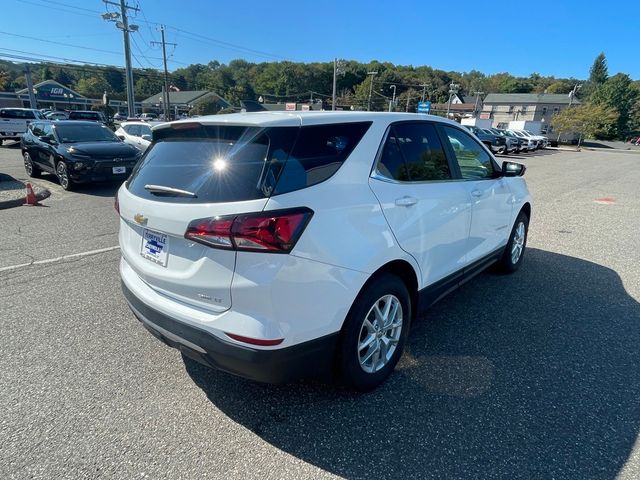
x=534 y=375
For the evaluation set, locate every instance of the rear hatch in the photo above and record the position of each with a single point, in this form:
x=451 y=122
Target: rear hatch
x=196 y=172
x=203 y=181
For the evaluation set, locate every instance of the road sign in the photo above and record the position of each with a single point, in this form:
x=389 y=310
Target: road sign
x=424 y=107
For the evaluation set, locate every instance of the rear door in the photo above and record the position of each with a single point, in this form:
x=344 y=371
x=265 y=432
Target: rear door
x=427 y=208
x=489 y=193
x=221 y=170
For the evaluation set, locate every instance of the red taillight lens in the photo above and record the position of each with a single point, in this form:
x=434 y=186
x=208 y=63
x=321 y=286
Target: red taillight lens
x=275 y=231
x=256 y=341
x=116 y=203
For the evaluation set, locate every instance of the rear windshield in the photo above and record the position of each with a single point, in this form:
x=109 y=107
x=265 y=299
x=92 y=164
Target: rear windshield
x=236 y=163
x=85 y=116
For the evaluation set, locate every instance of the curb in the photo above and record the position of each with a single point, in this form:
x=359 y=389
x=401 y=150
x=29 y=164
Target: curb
x=41 y=195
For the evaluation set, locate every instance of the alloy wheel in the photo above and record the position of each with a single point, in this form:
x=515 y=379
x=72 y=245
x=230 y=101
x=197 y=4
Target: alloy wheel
x=63 y=176
x=517 y=245
x=380 y=333
x=28 y=164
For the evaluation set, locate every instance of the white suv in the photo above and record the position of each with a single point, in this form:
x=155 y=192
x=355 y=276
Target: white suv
x=277 y=245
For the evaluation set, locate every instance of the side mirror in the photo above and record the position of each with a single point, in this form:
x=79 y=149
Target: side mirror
x=146 y=136
x=48 y=140
x=513 y=169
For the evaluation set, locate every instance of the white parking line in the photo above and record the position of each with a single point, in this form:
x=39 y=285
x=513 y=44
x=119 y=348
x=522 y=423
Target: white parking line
x=59 y=259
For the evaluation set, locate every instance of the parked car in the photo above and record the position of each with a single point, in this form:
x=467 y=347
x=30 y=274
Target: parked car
x=56 y=116
x=275 y=246
x=120 y=116
x=87 y=115
x=495 y=143
x=76 y=152
x=541 y=141
x=15 y=121
x=532 y=143
x=135 y=133
x=514 y=143
x=148 y=116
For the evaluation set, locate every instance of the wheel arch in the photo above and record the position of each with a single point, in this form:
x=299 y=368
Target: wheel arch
x=526 y=208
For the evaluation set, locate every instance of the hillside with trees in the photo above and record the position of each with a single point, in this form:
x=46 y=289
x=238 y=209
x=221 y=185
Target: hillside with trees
x=289 y=81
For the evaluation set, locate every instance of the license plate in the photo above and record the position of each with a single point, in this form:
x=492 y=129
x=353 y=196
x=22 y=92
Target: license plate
x=155 y=247
x=119 y=169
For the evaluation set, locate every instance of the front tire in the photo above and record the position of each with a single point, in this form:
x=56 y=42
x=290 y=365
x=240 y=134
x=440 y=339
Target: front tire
x=374 y=333
x=514 y=251
x=29 y=167
x=63 y=176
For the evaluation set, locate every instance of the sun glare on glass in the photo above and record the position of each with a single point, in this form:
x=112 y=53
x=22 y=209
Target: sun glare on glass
x=219 y=164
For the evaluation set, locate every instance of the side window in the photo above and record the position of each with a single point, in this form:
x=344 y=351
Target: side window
x=318 y=153
x=474 y=162
x=413 y=153
x=132 y=130
x=48 y=130
x=391 y=164
x=36 y=129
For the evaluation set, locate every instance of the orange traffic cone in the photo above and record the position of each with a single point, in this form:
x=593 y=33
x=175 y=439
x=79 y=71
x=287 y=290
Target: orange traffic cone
x=31 y=199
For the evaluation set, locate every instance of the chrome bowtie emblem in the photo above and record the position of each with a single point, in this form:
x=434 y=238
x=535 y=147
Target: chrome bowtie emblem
x=140 y=219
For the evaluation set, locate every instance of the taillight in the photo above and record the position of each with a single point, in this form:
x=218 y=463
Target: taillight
x=276 y=231
x=116 y=203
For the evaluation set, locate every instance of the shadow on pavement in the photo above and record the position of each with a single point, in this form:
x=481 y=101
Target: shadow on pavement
x=534 y=375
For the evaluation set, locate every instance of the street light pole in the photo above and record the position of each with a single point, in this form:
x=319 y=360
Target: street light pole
x=453 y=89
x=573 y=93
x=373 y=74
x=393 y=100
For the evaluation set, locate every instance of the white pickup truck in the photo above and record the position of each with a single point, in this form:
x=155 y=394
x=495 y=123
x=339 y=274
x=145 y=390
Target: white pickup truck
x=14 y=122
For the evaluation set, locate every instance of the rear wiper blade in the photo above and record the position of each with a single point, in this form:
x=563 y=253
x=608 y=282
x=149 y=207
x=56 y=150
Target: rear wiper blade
x=169 y=190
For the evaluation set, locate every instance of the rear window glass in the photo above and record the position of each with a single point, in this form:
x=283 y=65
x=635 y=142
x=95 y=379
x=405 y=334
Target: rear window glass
x=235 y=163
x=85 y=116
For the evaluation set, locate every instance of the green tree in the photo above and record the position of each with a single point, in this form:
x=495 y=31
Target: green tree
x=618 y=93
x=208 y=106
x=92 y=87
x=589 y=120
x=599 y=72
x=4 y=80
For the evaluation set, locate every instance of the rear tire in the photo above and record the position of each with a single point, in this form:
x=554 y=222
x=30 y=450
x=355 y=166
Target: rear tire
x=514 y=251
x=374 y=333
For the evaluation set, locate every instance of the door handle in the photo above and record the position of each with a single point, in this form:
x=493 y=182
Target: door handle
x=476 y=193
x=406 y=201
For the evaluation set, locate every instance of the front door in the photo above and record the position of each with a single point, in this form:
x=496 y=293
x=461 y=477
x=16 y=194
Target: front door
x=489 y=192
x=428 y=211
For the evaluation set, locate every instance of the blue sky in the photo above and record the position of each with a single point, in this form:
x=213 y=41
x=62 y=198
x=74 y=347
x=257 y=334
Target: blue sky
x=559 y=38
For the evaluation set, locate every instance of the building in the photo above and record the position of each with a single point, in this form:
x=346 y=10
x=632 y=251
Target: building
x=503 y=108
x=55 y=96
x=183 y=101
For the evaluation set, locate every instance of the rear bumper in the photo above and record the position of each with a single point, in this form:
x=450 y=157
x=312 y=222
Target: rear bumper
x=268 y=366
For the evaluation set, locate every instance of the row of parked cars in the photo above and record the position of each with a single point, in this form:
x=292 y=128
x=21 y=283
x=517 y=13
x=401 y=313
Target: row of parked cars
x=504 y=142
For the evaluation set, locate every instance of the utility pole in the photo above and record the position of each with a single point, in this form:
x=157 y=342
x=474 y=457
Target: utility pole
x=32 y=99
x=167 y=103
x=475 y=108
x=126 y=29
x=424 y=89
x=406 y=109
x=373 y=74
x=338 y=69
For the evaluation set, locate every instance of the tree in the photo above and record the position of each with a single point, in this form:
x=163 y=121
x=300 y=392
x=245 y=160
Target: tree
x=208 y=106
x=4 y=80
x=92 y=87
x=589 y=120
x=618 y=93
x=599 y=72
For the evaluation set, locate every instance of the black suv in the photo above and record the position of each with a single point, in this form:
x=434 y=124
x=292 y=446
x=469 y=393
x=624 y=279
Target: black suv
x=76 y=152
x=495 y=143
